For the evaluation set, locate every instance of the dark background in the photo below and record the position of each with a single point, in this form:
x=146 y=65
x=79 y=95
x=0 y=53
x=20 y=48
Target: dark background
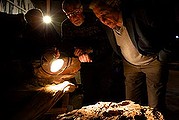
x=58 y=16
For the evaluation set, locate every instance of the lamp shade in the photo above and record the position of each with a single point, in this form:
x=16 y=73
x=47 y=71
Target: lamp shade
x=53 y=64
x=55 y=68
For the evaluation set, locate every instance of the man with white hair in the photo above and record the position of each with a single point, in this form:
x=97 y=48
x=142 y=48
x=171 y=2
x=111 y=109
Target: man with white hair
x=144 y=36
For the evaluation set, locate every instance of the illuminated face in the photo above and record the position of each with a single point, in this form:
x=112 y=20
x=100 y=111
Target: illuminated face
x=75 y=15
x=107 y=16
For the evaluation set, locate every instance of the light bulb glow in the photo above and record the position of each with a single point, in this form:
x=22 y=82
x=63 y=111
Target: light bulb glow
x=56 y=65
x=47 y=19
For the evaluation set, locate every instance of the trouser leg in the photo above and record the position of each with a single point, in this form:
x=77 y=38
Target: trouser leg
x=134 y=83
x=156 y=79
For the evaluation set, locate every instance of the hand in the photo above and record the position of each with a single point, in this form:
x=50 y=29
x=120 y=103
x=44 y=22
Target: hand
x=84 y=58
x=78 y=52
x=65 y=86
x=164 y=56
x=56 y=52
x=69 y=88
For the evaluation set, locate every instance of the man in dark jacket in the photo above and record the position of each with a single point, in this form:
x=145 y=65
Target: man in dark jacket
x=142 y=36
x=85 y=38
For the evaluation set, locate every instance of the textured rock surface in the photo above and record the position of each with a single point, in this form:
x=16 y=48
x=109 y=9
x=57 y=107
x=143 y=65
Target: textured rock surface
x=125 y=110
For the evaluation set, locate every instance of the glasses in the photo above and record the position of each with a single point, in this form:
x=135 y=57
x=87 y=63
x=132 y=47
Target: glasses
x=75 y=12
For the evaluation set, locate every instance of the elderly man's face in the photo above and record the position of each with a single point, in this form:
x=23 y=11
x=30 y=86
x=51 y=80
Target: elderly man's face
x=107 y=16
x=75 y=14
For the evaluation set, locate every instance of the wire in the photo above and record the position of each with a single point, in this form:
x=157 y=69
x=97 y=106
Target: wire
x=16 y=6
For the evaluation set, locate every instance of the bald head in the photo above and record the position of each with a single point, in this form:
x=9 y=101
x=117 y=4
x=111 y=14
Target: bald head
x=69 y=5
x=34 y=17
x=74 y=11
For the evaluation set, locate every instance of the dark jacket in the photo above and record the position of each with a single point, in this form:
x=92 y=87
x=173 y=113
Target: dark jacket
x=149 y=28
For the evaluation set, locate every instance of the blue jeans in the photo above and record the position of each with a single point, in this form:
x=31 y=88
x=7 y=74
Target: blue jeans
x=148 y=81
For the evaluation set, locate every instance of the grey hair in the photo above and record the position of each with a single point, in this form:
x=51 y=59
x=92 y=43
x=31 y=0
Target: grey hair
x=115 y=4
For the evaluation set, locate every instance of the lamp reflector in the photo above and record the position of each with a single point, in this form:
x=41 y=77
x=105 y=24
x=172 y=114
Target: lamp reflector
x=56 y=65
